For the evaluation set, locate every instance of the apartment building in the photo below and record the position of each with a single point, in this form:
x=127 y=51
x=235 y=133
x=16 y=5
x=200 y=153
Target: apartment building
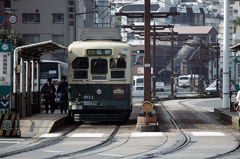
x=45 y=20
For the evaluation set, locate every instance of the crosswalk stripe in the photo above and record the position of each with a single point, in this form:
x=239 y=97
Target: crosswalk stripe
x=87 y=135
x=113 y=155
x=207 y=134
x=50 y=135
x=147 y=134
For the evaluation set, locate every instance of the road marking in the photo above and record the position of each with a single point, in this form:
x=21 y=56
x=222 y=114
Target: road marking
x=50 y=135
x=52 y=151
x=207 y=134
x=87 y=135
x=147 y=134
x=113 y=155
x=10 y=142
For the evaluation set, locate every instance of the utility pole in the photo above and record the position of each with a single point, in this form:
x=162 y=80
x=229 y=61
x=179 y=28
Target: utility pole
x=147 y=58
x=217 y=68
x=200 y=44
x=154 y=61
x=200 y=70
x=225 y=95
x=172 y=65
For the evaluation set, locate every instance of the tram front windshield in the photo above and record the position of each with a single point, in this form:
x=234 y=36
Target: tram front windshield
x=99 y=66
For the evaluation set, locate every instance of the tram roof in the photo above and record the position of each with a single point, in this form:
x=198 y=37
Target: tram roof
x=100 y=34
x=38 y=49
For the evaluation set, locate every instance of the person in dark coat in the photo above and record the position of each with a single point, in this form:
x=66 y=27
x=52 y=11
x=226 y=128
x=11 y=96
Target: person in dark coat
x=48 y=90
x=63 y=92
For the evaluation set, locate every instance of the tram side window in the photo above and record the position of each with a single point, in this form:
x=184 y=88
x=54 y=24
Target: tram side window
x=117 y=63
x=99 y=66
x=81 y=64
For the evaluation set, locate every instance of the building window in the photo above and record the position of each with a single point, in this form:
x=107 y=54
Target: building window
x=58 y=18
x=235 y=11
x=31 y=17
x=214 y=10
x=71 y=9
x=71 y=2
x=58 y=39
x=30 y=39
x=70 y=16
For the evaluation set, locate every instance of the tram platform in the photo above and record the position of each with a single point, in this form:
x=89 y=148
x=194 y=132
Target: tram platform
x=41 y=123
x=228 y=116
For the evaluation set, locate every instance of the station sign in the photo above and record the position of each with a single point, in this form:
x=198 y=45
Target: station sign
x=99 y=52
x=237 y=72
x=5 y=68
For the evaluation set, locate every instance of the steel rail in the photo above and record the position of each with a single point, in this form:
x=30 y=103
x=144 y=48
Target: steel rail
x=46 y=143
x=185 y=138
x=201 y=115
x=102 y=144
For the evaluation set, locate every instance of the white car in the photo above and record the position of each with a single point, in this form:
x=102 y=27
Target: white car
x=211 y=90
x=160 y=86
x=138 y=91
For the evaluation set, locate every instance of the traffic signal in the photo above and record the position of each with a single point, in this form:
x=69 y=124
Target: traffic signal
x=140 y=51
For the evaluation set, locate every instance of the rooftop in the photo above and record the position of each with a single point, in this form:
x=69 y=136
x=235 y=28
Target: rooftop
x=194 y=30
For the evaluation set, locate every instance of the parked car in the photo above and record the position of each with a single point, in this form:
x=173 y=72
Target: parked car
x=138 y=91
x=160 y=86
x=211 y=90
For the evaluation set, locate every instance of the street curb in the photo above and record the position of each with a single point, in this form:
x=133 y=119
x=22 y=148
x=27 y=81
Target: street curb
x=57 y=123
x=227 y=116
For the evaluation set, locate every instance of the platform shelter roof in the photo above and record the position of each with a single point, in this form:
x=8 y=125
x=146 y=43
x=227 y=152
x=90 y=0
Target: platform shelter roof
x=236 y=47
x=35 y=51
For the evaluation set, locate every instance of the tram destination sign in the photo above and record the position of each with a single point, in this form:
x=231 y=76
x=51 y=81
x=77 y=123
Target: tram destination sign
x=99 y=52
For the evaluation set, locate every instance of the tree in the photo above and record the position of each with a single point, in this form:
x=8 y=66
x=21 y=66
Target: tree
x=236 y=21
x=13 y=37
x=117 y=22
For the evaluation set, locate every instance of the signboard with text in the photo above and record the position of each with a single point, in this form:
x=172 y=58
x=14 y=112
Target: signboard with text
x=5 y=68
x=99 y=52
x=237 y=72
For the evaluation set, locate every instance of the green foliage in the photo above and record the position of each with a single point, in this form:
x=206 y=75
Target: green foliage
x=117 y=22
x=236 y=21
x=12 y=37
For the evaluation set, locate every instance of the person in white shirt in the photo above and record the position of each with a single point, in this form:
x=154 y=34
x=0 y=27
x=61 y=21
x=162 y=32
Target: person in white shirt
x=237 y=102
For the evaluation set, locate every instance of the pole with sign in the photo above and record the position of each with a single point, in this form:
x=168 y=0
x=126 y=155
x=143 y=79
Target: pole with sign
x=5 y=68
x=237 y=72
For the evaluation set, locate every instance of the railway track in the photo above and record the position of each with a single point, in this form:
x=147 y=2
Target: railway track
x=183 y=140
x=36 y=145
x=204 y=117
x=106 y=142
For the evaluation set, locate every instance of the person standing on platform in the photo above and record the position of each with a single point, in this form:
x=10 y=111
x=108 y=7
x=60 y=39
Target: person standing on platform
x=237 y=102
x=63 y=92
x=48 y=90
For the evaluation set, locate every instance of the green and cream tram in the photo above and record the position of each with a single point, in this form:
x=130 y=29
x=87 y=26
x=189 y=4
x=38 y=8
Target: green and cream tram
x=99 y=80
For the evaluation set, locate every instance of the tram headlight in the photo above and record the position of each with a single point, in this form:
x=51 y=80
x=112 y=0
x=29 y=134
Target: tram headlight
x=99 y=91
